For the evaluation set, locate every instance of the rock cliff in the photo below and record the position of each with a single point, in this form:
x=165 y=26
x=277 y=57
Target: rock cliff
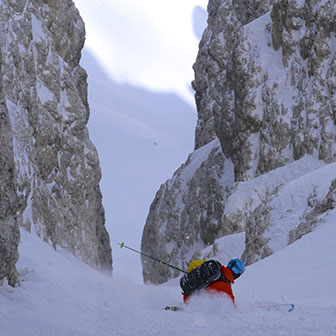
x=48 y=163
x=9 y=205
x=265 y=94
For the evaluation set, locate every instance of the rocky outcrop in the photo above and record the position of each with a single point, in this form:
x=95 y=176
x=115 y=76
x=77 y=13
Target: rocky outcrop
x=9 y=205
x=219 y=73
x=188 y=212
x=265 y=89
x=44 y=97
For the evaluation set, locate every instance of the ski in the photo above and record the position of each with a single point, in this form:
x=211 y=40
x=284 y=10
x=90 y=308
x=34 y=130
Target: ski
x=289 y=307
x=278 y=306
x=173 y=308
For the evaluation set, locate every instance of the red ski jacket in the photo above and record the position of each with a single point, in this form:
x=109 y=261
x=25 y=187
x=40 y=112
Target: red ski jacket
x=219 y=287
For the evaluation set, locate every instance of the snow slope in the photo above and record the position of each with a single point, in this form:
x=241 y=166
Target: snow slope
x=61 y=296
x=141 y=137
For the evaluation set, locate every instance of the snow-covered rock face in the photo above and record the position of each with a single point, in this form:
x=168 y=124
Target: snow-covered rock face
x=9 y=205
x=220 y=71
x=188 y=213
x=266 y=98
x=266 y=88
x=44 y=97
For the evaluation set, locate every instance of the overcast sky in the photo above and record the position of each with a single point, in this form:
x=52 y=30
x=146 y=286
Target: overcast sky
x=146 y=42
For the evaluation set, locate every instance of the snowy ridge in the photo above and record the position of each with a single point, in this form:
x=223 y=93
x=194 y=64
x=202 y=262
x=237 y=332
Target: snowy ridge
x=224 y=249
x=252 y=192
x=291 y=202
x=286 y=195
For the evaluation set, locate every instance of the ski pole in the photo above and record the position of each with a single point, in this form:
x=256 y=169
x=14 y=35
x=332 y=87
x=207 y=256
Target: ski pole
x=148 y=256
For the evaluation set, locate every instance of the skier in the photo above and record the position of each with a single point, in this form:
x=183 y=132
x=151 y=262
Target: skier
x=212 y=277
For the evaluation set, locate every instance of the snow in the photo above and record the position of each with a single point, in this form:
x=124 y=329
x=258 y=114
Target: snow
x=142 y=137
x=37 y=29
x=44 y=93
x=252 y=192
x=291 y=201
x=196 y=159
x=139 y=148
x=59 y=295
x=259 y=41
x=303 y=272
x=225 y=248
